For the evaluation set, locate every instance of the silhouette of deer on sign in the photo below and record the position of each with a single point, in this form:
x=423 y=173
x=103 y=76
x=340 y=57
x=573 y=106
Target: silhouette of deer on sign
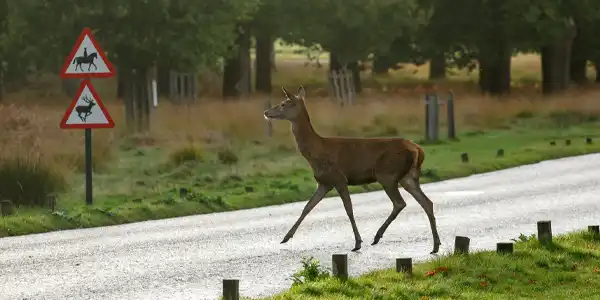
x=86 y=110
x=85 y=59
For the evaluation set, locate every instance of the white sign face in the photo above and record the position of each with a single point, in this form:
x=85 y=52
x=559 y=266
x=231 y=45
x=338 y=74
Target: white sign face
x=87 y=110
x=86 y=59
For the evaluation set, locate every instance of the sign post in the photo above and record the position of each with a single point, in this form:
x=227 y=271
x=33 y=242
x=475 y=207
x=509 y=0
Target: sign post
x=86 y=61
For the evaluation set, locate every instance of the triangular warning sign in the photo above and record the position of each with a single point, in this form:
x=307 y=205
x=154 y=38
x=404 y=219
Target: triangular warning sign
x=86 y=110
x=87 y=59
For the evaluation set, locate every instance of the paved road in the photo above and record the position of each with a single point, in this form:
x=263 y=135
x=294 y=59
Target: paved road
x=186 y=258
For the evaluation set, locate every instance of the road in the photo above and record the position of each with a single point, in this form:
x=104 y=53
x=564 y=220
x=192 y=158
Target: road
x=186 y=258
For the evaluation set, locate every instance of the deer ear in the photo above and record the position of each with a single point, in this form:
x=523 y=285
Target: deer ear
x=286 y=93
x=300 y=93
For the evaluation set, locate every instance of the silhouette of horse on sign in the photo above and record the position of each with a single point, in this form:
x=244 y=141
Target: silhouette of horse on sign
x=89 y=60
x=86 y=110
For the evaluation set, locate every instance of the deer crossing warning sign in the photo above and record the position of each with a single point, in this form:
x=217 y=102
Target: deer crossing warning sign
x=87 y=59
x=86 y=110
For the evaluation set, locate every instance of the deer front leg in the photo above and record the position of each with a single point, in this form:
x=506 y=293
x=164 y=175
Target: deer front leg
x=345 y=195
x=316 y=197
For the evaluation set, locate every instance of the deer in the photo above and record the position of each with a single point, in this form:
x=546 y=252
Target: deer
x=340 y=162
x=85 y=109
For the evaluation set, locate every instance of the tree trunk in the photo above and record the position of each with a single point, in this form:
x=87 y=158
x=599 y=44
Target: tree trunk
x=264 y=46
x=578 y=66
x=381 y=65
x=437 y=67
x=334 y=63
x=494 y=73
x=353 y=67
x=129 y=98
x=163 y=79
x=596 y=63
x=120 y=86
x=556 y=63
x=70 y=86
x=245 y=84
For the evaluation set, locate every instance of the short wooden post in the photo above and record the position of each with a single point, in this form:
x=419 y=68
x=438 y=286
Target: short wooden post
x=339 y=265
x=552 y=143
x=450 y=112
x=404 y=265
x=231 y=289
x=594 y=230
x=461 y=245
x=500 y=153
x=568 y=142
x=7 y=208
x=544 y=229
x=183 y=192
x=434 y=117
x=464 y=157
x=588 y=140
x=504 y=248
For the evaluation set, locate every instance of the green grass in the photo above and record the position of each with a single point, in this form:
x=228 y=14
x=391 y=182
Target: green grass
x=567 y=269
x=144 y=183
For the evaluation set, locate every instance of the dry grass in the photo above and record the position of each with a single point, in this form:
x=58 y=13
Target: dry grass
x=33 y=128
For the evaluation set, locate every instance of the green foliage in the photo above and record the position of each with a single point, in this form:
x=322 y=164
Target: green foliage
x=27 y=180
x=311 y=271
x=226 y=156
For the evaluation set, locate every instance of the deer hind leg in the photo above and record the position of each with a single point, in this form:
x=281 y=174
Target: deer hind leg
x=411 y=184
x=390 y=186
x=345 y=195
x=316 y=197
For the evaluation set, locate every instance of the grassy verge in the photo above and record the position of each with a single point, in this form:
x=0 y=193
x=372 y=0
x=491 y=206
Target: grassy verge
x=144 y=186
x=568 y=269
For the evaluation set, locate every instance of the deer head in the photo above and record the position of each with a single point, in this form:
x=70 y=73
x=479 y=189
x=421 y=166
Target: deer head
x=290 y=108
x=89 y=101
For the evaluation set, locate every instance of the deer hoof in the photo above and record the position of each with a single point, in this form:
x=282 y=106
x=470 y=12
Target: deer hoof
x=376 y=240
x=356 y=246
x=436 y=248
x=285 y=239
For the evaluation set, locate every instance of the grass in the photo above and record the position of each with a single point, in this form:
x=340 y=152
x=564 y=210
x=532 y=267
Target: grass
x=216 y=152
x=567 y=269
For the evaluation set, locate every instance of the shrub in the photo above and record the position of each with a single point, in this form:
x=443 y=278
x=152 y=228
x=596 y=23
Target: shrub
x=311 y=271
x=227 y=157
x=185 y=154
x=28 y=180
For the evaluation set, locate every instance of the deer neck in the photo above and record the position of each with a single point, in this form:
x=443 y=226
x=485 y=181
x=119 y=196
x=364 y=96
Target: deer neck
x=307 y=139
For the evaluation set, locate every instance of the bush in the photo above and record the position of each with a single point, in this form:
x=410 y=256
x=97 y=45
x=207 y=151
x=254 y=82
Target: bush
x=28 y=180
x=227 y=157
x=311 y=271
x=185 y=154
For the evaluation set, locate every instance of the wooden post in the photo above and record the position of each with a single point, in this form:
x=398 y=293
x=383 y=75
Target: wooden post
x=404 y=265
x=7 y=208
x=594 y=230
x=588 y=140
x=450 y=112
x=461 y=245
x=231 y=289
x=427 y=116
x=544 y=229
x=504 y=248
x=433 y=117
x=552 y=143
x=464 y=157
x=339 y=265
x=500 y=153
x=568 y=142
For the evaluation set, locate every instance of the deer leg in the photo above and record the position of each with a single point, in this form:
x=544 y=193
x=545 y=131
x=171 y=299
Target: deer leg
x=316 y=197
x=391 y=189
x=345 y=195
x=411 y=184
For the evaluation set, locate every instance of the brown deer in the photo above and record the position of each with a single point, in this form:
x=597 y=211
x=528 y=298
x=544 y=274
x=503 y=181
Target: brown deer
x=339 y=162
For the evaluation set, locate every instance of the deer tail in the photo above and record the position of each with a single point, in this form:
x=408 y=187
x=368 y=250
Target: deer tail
x=418 y=157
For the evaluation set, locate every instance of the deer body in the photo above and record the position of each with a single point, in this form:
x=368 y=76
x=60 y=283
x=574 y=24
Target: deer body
x=339 y=162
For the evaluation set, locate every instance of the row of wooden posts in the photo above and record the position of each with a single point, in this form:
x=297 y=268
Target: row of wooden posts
x=339 y=262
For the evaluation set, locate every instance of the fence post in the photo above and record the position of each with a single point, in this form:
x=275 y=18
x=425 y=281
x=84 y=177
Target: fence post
x=339 y=265
x=450 y=111
x=504 y=248
x=461 y=245
x=594 y=230
x=464 y=157
x=404 y=265
x=433 y=117
x=231 y=289
x=544 y=229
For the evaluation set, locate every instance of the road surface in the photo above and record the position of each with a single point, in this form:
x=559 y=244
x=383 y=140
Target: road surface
x=186 y=258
